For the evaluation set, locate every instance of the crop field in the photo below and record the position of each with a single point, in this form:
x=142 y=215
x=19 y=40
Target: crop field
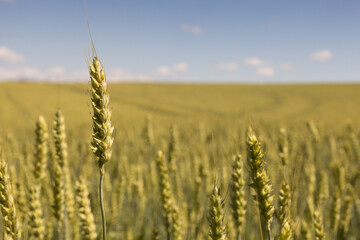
x=188 y=161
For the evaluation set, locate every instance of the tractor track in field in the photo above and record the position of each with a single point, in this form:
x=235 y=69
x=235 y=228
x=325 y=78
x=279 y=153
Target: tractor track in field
x=135 y=104
x=274 y=101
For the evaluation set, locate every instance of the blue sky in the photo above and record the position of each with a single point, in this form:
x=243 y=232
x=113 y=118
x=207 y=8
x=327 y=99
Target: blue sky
x=182 y=41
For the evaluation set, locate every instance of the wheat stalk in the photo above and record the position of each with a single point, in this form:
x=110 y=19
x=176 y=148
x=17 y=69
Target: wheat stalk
x=102 y=139
x=61 y=156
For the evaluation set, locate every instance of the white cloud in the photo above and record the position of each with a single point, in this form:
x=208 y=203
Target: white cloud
x=56 y=71
x=175 y=69
x=321 y=55
x=265 y=71
x=228 y=66
x=180 y=67
x=9 y=56
x=192 y=29
x=253 y=61
x=118 y=74
x=286 y=66
x=163 y=70
x=19 y=73
x=79 y=75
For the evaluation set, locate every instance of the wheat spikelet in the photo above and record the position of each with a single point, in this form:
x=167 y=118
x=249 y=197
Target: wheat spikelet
x=286 y=232
x=346 y=214
x=283 y=147
x=36 y=223
x=148 y=133
x=284 y=202
x=7 y=204
x=60 y=139
x=319 y=226
x=173 y=148
x=216 y=216
x=88 y=228
x=260 y=181
x=166 y=195
x=238 y=202
x=323 y=191
x=335 y=210
x=58 y=189
x=313 y=130
x=41 y=149
x=176 y=224
x=284 y=211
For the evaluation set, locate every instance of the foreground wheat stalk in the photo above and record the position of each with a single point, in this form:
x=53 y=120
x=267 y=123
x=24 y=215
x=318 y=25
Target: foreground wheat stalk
x=102 y=128
x=260 y=181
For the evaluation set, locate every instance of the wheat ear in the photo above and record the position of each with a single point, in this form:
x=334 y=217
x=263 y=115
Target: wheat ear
x=41 y=149
x=88 y=228
x=36 y=222
x=238 y=202
x=283 y=147
x=58 y=205
x=166 y=195
x=216 y=216
x=61 y=156
x=319 y=226
x=286 y=232
x=7 y=204
x=260 y=181
x=284 y=212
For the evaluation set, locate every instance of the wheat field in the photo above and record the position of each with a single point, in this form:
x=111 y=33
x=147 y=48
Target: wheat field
x=189 y=161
